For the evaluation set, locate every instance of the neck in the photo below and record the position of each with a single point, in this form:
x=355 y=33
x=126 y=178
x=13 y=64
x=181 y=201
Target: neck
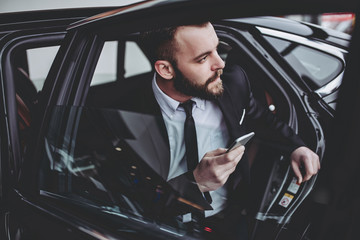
x=167 y=86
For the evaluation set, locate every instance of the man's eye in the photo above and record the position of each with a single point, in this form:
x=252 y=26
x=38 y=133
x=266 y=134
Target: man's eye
x=203 y=59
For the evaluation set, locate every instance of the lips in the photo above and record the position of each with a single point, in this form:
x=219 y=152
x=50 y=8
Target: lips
x=216 y=76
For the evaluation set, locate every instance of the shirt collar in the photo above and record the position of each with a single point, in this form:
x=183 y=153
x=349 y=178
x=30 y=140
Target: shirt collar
x=169 y=105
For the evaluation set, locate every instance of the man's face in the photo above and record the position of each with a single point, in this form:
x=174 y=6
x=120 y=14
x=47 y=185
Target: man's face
x=198 y=66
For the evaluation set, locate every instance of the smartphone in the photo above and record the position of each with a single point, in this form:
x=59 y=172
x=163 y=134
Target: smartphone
x=241 y=141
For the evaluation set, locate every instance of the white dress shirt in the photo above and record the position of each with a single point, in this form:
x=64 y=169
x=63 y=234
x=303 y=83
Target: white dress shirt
x=211 y=132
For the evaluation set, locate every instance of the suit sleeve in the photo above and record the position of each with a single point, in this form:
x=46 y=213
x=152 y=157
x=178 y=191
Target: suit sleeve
x=258 y=118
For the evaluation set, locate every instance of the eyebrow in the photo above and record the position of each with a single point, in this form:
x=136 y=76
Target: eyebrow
x=206 y=53
x=201 y=55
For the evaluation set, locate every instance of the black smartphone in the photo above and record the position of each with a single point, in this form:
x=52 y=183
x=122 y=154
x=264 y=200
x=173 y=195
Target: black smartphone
x=241 y=141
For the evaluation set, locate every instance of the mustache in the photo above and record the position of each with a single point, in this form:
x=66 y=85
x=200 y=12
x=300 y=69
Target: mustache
x=217 y=74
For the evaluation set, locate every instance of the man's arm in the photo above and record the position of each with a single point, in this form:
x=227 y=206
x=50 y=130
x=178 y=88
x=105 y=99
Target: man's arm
x=271 y=129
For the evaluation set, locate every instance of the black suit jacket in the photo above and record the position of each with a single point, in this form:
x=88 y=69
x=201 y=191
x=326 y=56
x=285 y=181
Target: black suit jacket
x=236 y=100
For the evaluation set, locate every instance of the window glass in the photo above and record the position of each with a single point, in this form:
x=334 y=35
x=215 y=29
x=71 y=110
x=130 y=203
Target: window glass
x=135 y=61
x=30 y=69
x=105 y=70
x=311 y=64
x=39 y=61
x=104 y=159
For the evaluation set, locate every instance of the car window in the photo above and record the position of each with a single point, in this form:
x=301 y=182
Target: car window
x=40 y=60
x=30 y=69
x=106 y=68
x=311 y=64
x=135 y=62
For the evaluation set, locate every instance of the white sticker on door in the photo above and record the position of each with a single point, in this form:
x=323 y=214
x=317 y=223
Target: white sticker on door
x=294 y=186
x=286 y=200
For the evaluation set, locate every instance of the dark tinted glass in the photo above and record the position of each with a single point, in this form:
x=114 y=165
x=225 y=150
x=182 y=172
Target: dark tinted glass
x=106 y=161
x=311 y=64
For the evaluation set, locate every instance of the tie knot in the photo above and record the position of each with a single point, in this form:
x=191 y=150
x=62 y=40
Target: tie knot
x=188 y=107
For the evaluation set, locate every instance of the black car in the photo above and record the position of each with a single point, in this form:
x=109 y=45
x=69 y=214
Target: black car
x=77 y=163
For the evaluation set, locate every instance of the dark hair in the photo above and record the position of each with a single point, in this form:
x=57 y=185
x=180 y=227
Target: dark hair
x=159 y=43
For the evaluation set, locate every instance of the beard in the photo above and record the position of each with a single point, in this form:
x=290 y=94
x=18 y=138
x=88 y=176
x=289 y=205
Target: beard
x=189 y=88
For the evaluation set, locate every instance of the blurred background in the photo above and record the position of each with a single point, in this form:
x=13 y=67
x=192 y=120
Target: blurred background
x=343 y=22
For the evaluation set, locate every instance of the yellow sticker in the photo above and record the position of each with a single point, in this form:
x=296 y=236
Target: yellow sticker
x=289 y=195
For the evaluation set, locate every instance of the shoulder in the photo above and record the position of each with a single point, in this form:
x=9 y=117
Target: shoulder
x=236 y=81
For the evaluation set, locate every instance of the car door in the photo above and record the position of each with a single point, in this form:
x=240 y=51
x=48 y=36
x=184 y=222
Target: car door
x=28 y=49
x=276 y=196
x=30 y=212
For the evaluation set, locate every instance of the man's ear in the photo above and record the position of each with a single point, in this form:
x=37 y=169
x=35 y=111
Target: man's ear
x=164 y=69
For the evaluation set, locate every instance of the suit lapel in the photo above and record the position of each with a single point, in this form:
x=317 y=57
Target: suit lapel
x=231 y=111
x=149 y=105
x=234 y=113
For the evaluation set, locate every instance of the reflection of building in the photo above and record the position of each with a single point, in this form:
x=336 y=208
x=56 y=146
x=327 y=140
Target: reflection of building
x=343 y=22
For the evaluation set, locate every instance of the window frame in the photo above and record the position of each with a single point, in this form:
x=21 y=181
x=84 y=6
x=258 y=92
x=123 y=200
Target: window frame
x=19 y=41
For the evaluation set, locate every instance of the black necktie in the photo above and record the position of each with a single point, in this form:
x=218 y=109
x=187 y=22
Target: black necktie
x=191 y=141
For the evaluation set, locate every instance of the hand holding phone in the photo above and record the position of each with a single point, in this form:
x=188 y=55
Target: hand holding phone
x=241 y=141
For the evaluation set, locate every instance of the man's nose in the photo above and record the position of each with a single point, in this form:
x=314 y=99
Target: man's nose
x=218 y=63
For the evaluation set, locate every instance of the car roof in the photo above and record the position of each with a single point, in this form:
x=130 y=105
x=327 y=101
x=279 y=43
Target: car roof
x=121 y=10
x=213 y=9
x=14 y=21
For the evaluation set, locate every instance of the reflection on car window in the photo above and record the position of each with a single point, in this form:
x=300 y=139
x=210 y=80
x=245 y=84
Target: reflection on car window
x=105 y=159
x=311 y=64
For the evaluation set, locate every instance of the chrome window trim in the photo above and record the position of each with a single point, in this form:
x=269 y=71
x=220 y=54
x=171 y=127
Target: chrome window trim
x=334 y=84
x=338 y=52
x=331 y=87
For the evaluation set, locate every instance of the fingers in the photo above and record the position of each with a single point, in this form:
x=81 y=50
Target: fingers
x=317 y=162
x=309 y=170
x=312 y=166
x=233 y=155
x=216 y=152
x=297 y=171
x=304 y=157
x=215 y=167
